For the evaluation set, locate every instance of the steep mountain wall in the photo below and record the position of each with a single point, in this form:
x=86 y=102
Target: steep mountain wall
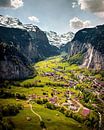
x=13 y=65
x=90 y=43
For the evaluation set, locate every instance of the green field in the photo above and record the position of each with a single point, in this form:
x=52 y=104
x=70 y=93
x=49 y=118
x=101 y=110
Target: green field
x=52 y=121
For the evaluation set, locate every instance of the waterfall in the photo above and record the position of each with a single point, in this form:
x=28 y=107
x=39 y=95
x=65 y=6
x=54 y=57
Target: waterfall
x=99 y=120
x=90 y=57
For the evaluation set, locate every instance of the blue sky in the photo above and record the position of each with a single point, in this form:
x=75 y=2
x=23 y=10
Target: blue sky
x=55 y=15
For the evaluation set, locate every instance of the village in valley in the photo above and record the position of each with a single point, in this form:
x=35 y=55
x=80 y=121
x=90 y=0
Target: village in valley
x=69 y=98
x=60 y=76
x=64 y=88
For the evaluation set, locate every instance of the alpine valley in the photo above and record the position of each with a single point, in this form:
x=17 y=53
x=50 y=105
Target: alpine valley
x=50 y=81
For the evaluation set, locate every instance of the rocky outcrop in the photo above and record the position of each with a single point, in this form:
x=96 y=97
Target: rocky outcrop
x=90 y=43
x=24 y=44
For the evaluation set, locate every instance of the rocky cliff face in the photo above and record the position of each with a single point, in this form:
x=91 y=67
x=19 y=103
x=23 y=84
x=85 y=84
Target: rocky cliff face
x=24 y=43
x=90 y=43
x=13 y=65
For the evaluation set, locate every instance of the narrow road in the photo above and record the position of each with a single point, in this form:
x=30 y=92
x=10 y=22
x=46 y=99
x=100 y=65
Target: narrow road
x=40 y=118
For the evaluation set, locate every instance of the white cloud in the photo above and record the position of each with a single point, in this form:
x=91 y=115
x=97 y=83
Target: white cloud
x=94 y=6
x=33 y=19
x=16 y=3
x=77 y=23
x=11 y=3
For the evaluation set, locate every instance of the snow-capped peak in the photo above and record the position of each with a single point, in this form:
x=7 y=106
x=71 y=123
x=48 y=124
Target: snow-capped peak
x=10 y=22
x=59 y=40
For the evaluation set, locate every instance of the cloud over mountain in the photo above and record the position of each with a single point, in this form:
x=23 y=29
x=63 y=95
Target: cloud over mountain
x=77 y=23
x=33 y=19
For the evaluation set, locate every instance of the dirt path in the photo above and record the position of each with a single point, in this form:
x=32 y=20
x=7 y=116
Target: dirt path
x=40 y=118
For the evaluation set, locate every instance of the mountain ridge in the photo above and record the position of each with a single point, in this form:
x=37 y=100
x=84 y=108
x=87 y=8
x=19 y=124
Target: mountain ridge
x=28 y=41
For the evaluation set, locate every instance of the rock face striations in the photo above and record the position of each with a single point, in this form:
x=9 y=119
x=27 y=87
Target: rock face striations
x=21 y=45
x=89 y=42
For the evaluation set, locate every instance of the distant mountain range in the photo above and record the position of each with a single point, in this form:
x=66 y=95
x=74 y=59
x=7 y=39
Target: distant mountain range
x=59 y=40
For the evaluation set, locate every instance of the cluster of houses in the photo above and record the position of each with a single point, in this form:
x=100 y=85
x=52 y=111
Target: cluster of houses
x=54 y=76
x=54 y=100
x=71 y=105
x=57 y=101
